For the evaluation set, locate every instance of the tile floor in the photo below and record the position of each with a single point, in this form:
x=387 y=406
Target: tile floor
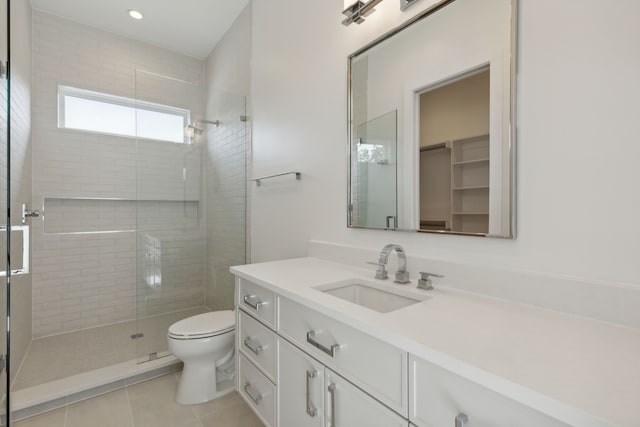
x=63 y=355
x=148 y=404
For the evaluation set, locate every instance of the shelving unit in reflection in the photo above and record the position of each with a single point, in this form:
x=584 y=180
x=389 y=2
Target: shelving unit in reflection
x=470 y=184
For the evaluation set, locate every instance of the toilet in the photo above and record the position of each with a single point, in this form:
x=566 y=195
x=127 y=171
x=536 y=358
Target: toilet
x=205 y=344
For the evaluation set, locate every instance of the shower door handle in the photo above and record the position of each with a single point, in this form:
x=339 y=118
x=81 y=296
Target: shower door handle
x=28 y=213
x=25 y=250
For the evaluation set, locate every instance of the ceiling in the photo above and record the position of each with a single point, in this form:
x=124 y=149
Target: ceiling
x=191 y=27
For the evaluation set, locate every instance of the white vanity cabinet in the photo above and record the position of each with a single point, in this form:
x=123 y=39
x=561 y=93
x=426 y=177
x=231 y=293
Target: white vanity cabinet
x=256 y=349
x=257 y=390
x=441 y=398
x=312 y=395
x=258 y=344
x=257 y=301
x=300 y=388
x=377 y=367
x=348 y=406
x=292 y=375
x=298 y=367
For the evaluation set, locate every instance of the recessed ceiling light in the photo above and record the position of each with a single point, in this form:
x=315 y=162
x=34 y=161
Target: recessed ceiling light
x=135 y=14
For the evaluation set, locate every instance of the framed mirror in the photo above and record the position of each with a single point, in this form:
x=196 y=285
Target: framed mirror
x=431 y=123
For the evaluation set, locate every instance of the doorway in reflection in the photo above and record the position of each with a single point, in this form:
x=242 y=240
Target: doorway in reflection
x=454 y=155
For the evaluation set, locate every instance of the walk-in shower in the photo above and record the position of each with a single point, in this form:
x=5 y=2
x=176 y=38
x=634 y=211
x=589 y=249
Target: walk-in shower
x=139 y=175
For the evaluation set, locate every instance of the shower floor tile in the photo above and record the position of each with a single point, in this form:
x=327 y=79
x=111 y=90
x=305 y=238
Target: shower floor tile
x=60 y=356
x=148 y=404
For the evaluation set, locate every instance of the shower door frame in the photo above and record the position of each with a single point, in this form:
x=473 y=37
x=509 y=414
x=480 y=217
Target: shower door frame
x=5 y=359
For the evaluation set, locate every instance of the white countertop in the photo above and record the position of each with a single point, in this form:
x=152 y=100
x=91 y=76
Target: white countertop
x=581 y=371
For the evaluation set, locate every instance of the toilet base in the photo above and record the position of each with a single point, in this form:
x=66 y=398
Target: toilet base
x=198 y=384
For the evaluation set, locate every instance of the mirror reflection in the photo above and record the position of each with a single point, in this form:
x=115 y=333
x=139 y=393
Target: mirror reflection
x=431 y=123
x=454 y=155
x=376 y=166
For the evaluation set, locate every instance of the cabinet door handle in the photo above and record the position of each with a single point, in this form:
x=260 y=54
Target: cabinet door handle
x=252 y=345
x=331 y=351
x=255 y=396
x=311 y=410
x=253 y=302
x=332 y=400
x=461 y=420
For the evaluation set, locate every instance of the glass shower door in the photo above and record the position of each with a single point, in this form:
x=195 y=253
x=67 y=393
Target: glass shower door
x=170 y=231
x=226 y=192
x=5 y=235
x=191 y=203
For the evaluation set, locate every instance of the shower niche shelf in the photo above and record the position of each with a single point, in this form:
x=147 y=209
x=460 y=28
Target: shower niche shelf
x=79 y=215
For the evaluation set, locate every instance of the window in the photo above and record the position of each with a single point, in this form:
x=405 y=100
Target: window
x=115 y=115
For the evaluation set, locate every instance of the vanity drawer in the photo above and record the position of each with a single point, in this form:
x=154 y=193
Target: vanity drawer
x=377 y=367
x=438 y=396
x=257 y=390
x=257 y=301
x=348 y=406
x=257 y=343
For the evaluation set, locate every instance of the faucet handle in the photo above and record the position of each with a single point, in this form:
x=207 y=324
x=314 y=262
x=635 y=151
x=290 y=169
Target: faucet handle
x=402 y=277
x=425 y=280
x=381 y=272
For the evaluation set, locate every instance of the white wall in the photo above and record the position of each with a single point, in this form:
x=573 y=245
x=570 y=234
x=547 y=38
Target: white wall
x=577 y=174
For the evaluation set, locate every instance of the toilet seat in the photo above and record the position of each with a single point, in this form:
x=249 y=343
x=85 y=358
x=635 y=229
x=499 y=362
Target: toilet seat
x=204 y=325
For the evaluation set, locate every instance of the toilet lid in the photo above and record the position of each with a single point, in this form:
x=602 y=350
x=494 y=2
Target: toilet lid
x=204 y=325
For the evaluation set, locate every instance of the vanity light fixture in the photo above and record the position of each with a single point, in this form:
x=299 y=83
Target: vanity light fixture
x=135 y=14
x=406 y=3
x=356 y=10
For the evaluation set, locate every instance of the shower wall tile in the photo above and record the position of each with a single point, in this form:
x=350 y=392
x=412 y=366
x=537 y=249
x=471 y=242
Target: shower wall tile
x=226 y=159
x=226 y=208
x=87 y=280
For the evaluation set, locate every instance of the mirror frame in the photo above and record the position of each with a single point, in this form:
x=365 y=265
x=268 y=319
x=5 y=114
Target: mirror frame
x=512 y=119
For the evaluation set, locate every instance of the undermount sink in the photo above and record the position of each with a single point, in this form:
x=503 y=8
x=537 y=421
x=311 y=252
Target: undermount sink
x=382 y=297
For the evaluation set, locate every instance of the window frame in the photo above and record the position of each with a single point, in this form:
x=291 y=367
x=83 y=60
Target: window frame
x=64 y=91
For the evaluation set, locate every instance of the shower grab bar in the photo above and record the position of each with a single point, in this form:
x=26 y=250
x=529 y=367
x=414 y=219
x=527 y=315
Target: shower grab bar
x=262 y=178
x=25 y=250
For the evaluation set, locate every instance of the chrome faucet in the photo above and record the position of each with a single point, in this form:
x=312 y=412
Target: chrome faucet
x=402 y=275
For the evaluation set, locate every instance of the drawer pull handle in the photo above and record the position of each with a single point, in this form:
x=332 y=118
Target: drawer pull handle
x=252 y=345
x=255 y=396
x=461 y=420
x=331 y=351
x=311 y=410
x=253 y=302
x=332 y=396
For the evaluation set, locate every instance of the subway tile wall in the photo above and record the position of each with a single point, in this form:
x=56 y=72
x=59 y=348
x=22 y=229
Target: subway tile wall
x=226 y=183
x=228 y=154
x=85 y=270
